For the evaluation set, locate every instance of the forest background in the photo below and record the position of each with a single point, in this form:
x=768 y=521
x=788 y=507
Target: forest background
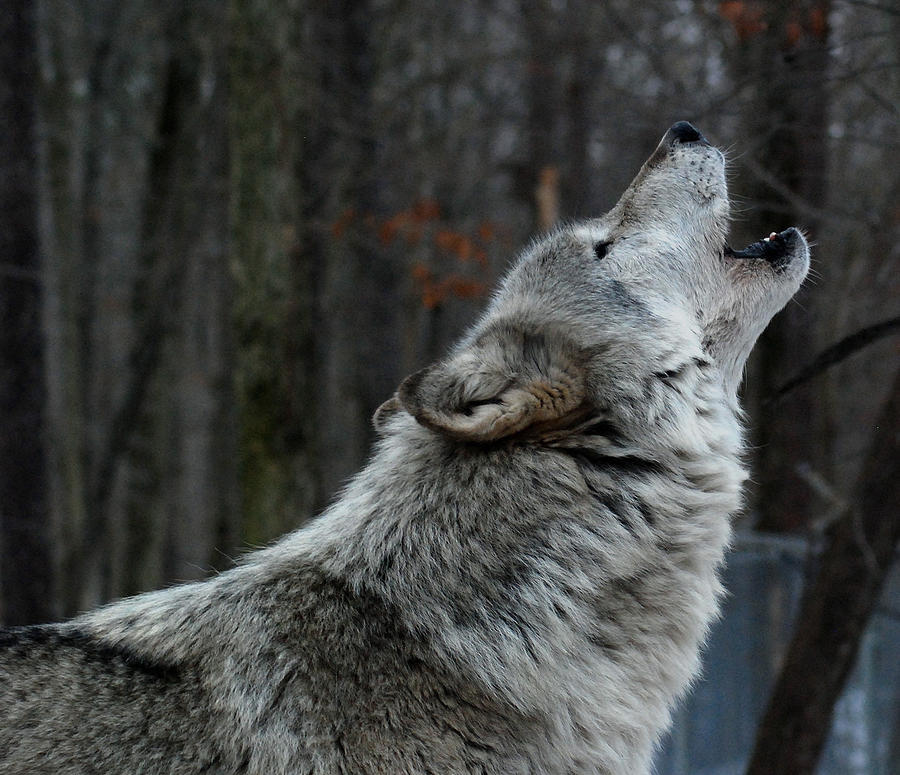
x=229 y=229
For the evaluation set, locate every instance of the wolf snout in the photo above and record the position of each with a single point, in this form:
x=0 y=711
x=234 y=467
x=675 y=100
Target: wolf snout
x=684 y=132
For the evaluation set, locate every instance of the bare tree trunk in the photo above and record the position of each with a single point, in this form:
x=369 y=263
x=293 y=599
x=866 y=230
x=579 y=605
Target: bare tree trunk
x=836 y=609
x=59 y=197
x=26 y=567
x=204 y=495
x=579 y=111
x=274 y=107
x=786 y=127
x=544 y=110
x=134 y=213
x=342 y=330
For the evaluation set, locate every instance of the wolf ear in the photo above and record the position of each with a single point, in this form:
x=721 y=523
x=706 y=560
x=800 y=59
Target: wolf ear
x=498 y=387
x=384 y=413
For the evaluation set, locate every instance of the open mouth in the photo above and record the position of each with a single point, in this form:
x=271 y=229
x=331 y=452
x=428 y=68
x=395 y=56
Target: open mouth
x=776 y=249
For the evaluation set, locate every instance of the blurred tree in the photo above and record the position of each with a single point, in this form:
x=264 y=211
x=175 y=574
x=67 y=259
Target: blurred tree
x=542 y=24
x=783 y=167
x=852 y=571
x=138 y=335
x=348 y=333
x=274 y=97
x=355 y=259
x=26 y=569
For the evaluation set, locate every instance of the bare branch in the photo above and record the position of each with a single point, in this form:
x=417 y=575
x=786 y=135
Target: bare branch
x=836 y=353
x=835 y=611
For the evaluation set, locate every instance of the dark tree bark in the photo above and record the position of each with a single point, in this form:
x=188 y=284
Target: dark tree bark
x=204 y=522
x=575 y=188
x=544 y=109
x=344 y=327
x=837 y=607
x=275 y=142
x=26 y=577
x=135 y=223
x=784 y=46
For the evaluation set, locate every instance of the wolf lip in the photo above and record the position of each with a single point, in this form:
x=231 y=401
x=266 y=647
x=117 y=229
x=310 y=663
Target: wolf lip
x=773 y=249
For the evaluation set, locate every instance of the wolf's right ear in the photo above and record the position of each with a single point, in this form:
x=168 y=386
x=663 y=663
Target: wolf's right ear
x=384 y=413
x=489 y=393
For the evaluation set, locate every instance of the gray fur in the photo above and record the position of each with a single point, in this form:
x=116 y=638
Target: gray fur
x=521 y=578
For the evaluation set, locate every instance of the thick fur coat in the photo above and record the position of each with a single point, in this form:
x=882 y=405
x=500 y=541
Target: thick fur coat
x=519 y=581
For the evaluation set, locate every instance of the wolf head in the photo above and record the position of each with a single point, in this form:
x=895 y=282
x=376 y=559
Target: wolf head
x=595 y=314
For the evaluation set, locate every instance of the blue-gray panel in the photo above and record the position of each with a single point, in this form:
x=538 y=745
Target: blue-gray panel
x=714 y=730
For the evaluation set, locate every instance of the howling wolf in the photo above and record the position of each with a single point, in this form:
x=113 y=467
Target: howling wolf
x=520 y=579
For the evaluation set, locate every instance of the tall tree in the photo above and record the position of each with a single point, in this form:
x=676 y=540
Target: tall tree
x=343 y=405
x=140 y=407
x=274 y=113
x=783 y=45
x=544 y=110
x=836 y=609
x=26 y=567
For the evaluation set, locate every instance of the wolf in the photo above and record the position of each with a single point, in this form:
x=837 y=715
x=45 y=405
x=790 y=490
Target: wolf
x=521 y=578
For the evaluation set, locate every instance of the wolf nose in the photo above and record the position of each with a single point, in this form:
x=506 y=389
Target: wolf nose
x=683 y=132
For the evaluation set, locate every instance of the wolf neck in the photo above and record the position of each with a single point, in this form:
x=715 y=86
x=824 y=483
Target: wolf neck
x=538 y=571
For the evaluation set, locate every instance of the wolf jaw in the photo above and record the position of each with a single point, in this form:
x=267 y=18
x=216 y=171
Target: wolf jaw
x=766 y=273
x=773 y=249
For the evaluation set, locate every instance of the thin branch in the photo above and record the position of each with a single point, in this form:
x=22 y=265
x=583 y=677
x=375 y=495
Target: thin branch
x=837 y=353
x=798 y=203
x=836 y=608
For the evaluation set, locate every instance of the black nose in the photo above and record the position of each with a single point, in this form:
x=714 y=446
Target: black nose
x=683 y=132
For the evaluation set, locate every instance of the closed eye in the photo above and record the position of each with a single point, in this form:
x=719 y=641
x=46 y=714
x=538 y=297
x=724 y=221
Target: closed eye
x=601 y=248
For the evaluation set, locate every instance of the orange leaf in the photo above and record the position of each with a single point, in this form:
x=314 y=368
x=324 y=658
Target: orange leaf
x=426 y=210
x=420 y=273
x=445 y=240
x=486 y=231
x=456 y=243
x=433 y=296
x=793 y=33
x=340 y=225
x=818 y=22
x=390 y=227
x=746 y=18
x=464 y=288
